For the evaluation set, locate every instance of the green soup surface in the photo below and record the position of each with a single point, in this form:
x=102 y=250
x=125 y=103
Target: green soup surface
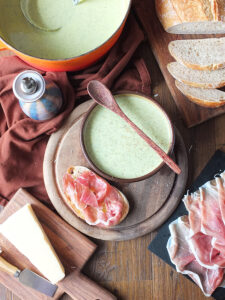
x=115 y=148
x=59 y=29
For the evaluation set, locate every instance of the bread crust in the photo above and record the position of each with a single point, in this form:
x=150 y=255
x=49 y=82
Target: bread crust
x=167 y=14
x=202 y=85
x=176 y=12
x=205 y=103
x=197 y=84
x=75 y=170
x=201 y=102
x=192 y=10
x=195 y=66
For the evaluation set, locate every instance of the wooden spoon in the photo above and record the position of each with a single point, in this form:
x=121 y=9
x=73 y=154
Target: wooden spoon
x=102 y=95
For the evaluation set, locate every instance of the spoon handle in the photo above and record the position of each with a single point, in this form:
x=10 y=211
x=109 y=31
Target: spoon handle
x=154 y=146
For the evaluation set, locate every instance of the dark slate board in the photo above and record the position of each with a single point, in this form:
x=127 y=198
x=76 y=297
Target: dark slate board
x=215 y=166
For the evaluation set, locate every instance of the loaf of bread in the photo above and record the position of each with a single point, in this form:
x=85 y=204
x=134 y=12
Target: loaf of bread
x=192 y=16
x=199 y=54
x=197 y=78
x=210 y=98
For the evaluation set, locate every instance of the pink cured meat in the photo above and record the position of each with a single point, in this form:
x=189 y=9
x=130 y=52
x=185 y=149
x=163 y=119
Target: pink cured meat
x=201 y=246
x=208 y=280
x=94 y=183
x=205 y=208
x=181 y=255
x=221 y=191
x=108 y=216
x=177 y=245
x=192 y=204
x=71 y=190
x=197 y=243
x=87 y=189
x=204 y=251
x=100 y=203
x=211 y=218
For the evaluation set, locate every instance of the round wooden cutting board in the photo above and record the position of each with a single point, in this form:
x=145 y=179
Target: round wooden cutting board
x=152 y=200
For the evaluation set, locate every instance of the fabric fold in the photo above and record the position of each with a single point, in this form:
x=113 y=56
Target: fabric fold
x=23 y=140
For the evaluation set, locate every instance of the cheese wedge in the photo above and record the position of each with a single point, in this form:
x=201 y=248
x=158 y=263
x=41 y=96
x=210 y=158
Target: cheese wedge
x=25 y=232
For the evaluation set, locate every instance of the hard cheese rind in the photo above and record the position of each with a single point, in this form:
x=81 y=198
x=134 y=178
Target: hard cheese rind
x=25 y=232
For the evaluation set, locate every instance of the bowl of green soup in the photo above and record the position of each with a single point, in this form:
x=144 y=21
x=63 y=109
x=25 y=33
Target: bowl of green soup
x=114 y=150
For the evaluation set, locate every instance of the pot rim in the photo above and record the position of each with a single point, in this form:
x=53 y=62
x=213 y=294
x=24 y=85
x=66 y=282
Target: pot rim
x=74 y=57
x=123 y=180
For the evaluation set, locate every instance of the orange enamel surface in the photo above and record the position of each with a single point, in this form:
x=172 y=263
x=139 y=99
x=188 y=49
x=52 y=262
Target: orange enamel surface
x=73 y=64
x=2 y=46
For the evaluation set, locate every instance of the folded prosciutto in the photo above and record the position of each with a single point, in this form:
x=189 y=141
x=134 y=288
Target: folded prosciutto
x=181 y=255
x=197 y=242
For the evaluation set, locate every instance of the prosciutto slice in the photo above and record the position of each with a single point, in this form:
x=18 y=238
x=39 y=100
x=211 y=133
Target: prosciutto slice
x=211 y=218
x=197 y=242
x=192 y=204
x=204 y=251
x=177 y=245
x=183 y=258
x=95 y=185
x=100 y=203
x=207 y=230
x=108 y=213
x=221 y=194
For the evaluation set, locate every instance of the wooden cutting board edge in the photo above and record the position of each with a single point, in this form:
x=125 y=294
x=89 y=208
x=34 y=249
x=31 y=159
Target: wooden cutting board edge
x=112 y=234
x=13 y=284
x=73 y=249
x=158 y=38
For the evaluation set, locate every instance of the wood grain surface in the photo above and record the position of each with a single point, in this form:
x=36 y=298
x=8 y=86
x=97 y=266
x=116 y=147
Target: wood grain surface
x=159 y=39
x=73 y=249
x=127 y=268
x=151 y=200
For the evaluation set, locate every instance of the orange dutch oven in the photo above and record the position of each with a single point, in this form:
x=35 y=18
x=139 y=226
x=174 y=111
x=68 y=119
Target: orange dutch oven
x=69 y=64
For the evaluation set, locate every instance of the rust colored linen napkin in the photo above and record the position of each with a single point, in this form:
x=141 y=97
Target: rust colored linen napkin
x=23 y=140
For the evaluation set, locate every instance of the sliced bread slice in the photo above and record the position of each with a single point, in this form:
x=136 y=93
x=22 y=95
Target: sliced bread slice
x=199 y=54
x=197 y=78
x=205 y=97
x=72 y=202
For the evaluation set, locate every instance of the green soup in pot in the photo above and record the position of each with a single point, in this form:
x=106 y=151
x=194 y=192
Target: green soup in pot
x=59 y=29
x=115 y=148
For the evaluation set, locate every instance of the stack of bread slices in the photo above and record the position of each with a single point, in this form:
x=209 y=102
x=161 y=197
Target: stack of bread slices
x=199 y=69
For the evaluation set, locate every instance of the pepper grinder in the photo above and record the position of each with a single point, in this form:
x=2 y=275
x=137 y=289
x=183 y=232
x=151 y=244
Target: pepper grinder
x=40 y=99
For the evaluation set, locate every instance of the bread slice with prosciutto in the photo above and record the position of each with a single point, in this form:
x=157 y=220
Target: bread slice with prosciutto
x=93 y=199
x=192 y=16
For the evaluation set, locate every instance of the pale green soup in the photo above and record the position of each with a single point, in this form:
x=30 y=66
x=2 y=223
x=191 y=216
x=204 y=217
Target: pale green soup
x=115 y=148
x=58 y=29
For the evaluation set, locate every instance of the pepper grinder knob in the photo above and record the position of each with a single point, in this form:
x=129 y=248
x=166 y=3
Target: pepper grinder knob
x=29 y=85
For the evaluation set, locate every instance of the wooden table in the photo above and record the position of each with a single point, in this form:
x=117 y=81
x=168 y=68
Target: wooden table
x=127 y=268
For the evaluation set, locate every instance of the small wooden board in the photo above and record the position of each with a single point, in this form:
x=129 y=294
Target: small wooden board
x=151 y=200
x=159 y=39
x=73 y=249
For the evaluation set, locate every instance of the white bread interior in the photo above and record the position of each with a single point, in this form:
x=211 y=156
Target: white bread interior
x=205 y=97
x=76 y=171
x=197 y=78
x=199 y=54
